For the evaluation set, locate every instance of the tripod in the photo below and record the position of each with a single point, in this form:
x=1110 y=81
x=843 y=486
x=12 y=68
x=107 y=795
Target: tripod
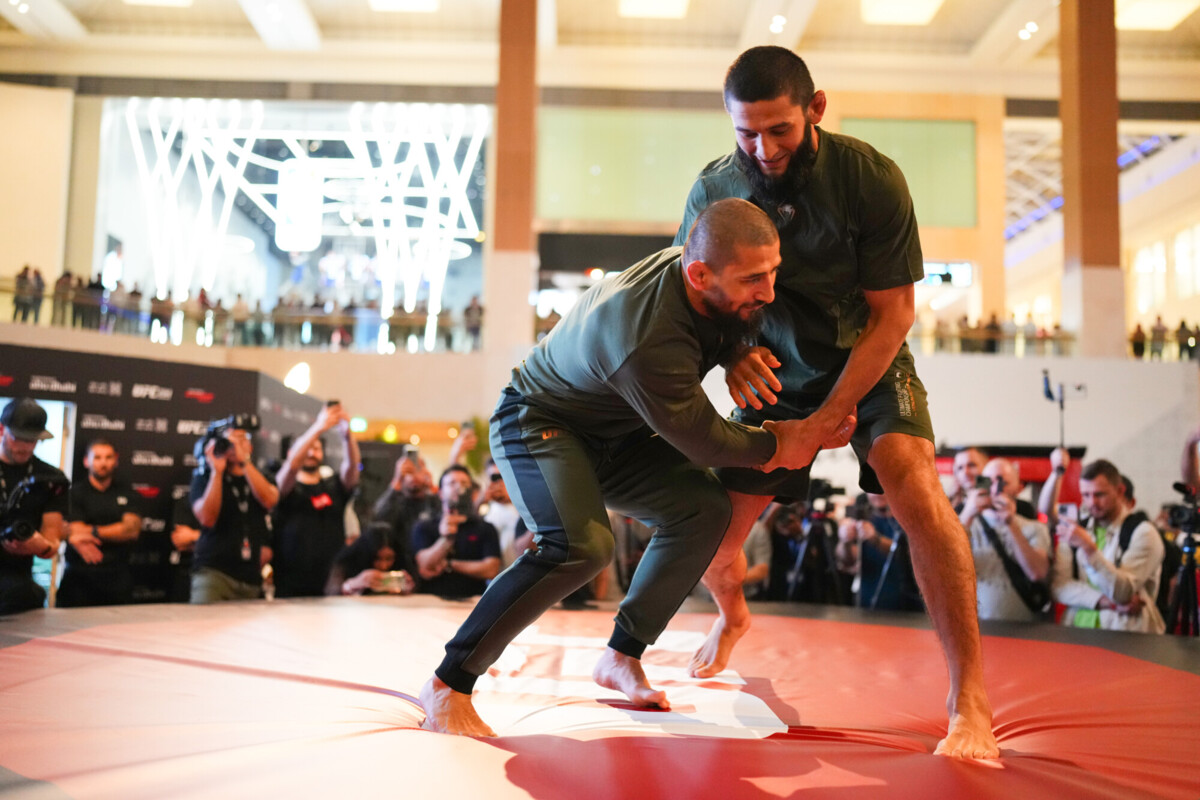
x=1183 y=619
x=828 y=591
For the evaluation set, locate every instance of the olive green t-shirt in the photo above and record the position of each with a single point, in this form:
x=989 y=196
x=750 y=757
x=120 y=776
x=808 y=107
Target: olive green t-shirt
x=631 y=354
x=851 y=228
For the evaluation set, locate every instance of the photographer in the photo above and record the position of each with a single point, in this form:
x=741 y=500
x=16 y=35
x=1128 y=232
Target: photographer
x=33 y=526
x=310 y=519
x=459 y=553
x=104 y=524
x=1011 y=552
x=230 y=499
x=409 y=497
x=1107 y=570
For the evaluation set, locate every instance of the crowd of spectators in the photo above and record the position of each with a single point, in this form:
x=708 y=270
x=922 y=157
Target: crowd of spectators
x=243 y=534
x=1162 y=343
x=293 y=322
x=991 y=336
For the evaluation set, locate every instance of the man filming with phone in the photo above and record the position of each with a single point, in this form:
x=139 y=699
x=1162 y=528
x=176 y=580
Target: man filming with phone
x=1107 y=567
x=1011 y=551
x=458 y=553
x=310 y=520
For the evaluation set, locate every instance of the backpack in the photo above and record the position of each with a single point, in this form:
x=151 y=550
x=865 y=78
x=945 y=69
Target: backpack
x=1172 y=558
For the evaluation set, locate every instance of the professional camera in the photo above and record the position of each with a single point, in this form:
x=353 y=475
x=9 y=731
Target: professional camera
x=31 y=493
x=1185 y=516
x=820 y=491
x=216 y=432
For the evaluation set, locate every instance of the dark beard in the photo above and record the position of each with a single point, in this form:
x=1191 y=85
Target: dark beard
x=737 y=335
x=781 y=191
x=307 y=468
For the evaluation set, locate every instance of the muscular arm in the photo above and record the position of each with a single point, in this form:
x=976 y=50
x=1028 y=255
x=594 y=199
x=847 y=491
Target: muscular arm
x=1034 y=561
x=891 y=317
x=127 y=530
x=286 y=478
x=265 y=492
x=351 y=458
x=208 y=507
x=486 y=568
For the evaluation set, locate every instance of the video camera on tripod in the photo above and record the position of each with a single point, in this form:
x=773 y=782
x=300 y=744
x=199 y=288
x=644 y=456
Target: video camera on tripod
x=1183 y=613
x=1185 y=516
x=216 y=432
x=32 y=492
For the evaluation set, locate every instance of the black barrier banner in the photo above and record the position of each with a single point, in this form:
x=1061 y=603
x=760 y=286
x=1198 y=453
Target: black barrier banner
x=153 y=412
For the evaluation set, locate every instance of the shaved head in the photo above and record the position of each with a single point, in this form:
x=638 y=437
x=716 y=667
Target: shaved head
x=722 y=228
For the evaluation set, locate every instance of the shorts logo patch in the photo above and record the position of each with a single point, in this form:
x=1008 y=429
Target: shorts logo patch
x=550 y=434
x=904 y=395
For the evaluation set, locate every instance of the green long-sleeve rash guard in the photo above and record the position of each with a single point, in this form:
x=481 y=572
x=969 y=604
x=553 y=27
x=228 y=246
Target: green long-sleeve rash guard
x=631 y=353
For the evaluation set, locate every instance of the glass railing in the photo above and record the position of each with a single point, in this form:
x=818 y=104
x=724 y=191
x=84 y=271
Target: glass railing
x=361 y=329
x=364 y=329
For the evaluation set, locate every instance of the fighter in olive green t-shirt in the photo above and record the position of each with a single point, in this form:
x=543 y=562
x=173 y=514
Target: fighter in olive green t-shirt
x=851 y=229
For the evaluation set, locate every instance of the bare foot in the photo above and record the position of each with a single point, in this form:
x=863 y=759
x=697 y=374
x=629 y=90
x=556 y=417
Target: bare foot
x=970 y=736
x=448 y=711
x=624 y=673
x=712 y=656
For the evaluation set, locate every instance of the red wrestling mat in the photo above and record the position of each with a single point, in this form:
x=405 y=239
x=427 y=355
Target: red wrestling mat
x=314 y=699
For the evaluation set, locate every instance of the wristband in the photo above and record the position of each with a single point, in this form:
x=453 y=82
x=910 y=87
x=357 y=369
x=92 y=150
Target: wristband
x=1060 y=470
x=95 y=532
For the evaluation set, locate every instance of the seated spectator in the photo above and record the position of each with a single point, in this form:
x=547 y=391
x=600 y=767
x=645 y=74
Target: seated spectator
x=1107 y=569
x=1011 y=551
x=458 y=553
x=310 y=519
x=366 y=566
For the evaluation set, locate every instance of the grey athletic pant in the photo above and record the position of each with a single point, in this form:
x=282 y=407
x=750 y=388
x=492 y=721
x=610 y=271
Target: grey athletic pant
x=561 y=483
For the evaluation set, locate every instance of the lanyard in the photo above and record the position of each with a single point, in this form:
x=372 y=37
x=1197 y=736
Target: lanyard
x=243 y=502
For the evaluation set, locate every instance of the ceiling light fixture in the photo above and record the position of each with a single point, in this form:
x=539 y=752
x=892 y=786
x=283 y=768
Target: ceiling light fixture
x=1024 y=34
x=1153 y=15
x=165 y=3
x=410 y=6
x=653 y=9
x=1031 y=26
x=889 y=12
x=23 y=8
x=777 y=23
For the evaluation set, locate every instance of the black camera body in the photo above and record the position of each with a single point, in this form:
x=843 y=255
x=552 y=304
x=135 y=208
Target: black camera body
x=1186 y=515
x=216 y=433
x=30 y=493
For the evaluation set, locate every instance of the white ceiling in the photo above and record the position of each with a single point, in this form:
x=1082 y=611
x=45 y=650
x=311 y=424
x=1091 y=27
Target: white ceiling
x=970 y=45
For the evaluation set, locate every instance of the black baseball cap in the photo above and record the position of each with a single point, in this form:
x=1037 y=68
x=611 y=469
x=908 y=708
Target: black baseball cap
x=25 y=419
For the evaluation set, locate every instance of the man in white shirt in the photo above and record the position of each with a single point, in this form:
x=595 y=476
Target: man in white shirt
x=991 y=518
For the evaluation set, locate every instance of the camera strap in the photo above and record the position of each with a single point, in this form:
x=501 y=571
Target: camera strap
x=1034 y=594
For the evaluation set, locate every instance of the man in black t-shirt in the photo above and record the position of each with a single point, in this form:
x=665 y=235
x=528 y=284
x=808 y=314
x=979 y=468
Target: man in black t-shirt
x=22 y=426
x=459 y=553
x=310 y=520
x=104 y=523
x=231 y=500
